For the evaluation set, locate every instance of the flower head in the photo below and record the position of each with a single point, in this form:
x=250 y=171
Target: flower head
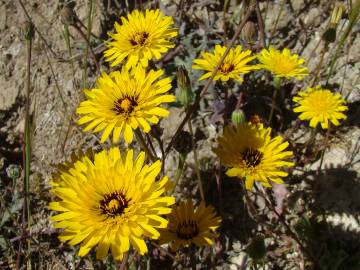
x=282 y=63
x=253 y=155
x=233 y=67
x=141 y=37
x=123 y=101
x=320 y=106
x=187 y=225
x=110 y=201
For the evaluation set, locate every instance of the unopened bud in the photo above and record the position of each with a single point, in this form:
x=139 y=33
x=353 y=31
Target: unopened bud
x=184 y=92
x=336 y=15
x=238 y=117
x=330 y=34
x=249 y=33
x=183 y=142
x=67 y=16
x=27 y=30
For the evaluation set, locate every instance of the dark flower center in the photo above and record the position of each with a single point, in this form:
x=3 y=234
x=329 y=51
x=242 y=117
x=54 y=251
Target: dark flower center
x=187 y=230
x=139 y=39
x=226 y=68
x=114 y=204
x=125 y=105
x=252 y=157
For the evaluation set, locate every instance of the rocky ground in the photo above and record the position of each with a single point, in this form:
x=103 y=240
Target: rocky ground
x=327 y=204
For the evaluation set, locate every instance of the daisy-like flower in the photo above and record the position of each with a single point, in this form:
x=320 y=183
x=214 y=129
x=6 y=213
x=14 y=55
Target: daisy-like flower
x=253 y=155
x=282 y=63
x=110 y=201
x=233 y=67
x=320 y=106
x=141 y=37
x=188 y=225
x=123 y=101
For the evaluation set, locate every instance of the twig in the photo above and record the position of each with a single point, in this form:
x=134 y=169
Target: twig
x=37 y=31
x=261 y=24
x=89 y=23
x=89 y=46
x=192 y=109
x=144 y=145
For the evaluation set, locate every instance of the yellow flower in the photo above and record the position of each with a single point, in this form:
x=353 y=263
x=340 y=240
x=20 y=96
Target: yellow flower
x=320 y=106
x=124 y=100
x=253 y=155
x=282 y=63
x=187 y=225
x=233 y=67
x=141 y=37
x=110 y=201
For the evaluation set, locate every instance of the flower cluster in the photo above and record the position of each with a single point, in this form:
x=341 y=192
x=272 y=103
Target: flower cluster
x=111 y=200
x=116 y=200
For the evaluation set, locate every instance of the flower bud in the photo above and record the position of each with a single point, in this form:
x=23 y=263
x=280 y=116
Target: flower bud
x=336 y=15
x=249 y=32
x=183 y=143
x=238 y=117
x=67 y=16
x=330 y=34
x=27 y=30
x=184 y=92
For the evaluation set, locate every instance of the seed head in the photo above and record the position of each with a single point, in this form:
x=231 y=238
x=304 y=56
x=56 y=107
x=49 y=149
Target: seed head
x=27 y=31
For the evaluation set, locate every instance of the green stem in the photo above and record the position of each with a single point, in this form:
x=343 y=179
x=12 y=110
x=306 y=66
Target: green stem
x=197 y=167
x=179 y=171
x=277 y=84
x=67 y=40
x=28 y=148
x=141 y=140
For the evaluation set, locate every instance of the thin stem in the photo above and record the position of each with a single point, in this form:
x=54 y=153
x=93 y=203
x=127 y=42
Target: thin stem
x=282 y=5
x=88 y=35
x=27 y=150
x=319 y=66
x=226 y=107
x=164 y=250
x=147 y=150
x=124 y=261
x=277 y=83
x=311 y=139
x=323 y=150
x=179 y=171
x=67 y=40
x=261 y=24
x=197 y=167
x=89 y=46
x=193 y=108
